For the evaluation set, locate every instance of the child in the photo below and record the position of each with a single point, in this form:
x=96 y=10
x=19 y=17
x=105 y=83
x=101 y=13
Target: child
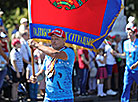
x=102 y=73
x=33 y=87
x=42 y=83
x=18 y=70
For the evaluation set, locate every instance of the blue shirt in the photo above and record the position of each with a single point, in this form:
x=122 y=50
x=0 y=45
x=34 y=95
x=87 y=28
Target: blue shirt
x=131 y=50
x=59 y=87
x=1 y=22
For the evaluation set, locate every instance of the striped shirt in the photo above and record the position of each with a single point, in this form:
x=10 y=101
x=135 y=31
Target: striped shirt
x=16 y=56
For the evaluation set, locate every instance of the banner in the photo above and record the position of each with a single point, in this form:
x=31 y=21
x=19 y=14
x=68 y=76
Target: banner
x=85 y=22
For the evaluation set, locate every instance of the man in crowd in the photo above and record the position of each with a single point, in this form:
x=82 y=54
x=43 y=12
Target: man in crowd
x=131 y=69
x=4 y=60
x=1 y=22
x=58 y=66
x=84 y=69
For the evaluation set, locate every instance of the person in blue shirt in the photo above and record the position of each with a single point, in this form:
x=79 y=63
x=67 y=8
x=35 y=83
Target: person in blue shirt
x=131 y=69
x=58 y=67
x=1 y=22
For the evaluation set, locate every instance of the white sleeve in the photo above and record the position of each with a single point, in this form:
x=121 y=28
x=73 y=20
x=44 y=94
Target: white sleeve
x=108 y=48
x=13 y=56
x=28 y=67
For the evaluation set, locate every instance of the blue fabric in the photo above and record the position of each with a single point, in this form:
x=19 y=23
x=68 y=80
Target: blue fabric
x=1 y=22
x=33 y=89
x=131 y=48
x=129 y=77
x=59 y=87
x=2 y=76
x=109 y=69
x=83 y=80
x=14 y=31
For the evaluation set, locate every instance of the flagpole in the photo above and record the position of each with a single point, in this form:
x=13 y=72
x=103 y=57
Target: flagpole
x=32 y=61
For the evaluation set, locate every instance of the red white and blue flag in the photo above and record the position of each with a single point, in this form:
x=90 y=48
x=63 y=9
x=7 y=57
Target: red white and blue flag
x=85 y=22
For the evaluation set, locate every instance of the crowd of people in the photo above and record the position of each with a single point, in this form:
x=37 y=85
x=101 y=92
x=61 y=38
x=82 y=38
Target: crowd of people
x=68 y=71
x=15 y=62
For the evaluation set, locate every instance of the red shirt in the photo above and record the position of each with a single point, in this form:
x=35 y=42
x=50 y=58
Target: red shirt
x=4 y=46
x=82 y=65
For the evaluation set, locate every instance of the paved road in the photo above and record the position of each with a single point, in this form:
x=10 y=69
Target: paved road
x=89 y=98
x=94 y=98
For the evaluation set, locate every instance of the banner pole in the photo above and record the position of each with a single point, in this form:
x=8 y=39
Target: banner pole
x=32 y=61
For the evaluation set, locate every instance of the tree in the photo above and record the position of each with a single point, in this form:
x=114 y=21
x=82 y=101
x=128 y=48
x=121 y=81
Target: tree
x=13 y=10
x=131 y=8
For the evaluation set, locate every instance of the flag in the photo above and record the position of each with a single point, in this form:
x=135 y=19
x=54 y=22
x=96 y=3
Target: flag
x=85 y=22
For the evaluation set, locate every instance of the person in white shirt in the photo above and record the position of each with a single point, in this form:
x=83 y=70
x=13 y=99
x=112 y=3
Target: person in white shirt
x=23 y=25
x=18 y=70
x=102 y=72
x=110 y=61
x=25 y=49
x=26 y=54
x=120 y=62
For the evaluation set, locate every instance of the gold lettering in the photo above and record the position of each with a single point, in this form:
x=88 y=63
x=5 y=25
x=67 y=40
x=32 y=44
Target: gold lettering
x=39 y=32
x=67 y=34
x=87 y=42
x=81 y=40
x=34 y=31
x=70 y=36
x=42 y=32
x=91 y=41
x=47 y=31
x=75 y=37
x=78 y=38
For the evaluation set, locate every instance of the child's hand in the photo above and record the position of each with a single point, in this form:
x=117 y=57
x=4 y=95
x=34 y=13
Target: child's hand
x=105 y=55
x=33 y=79
x=28 y=80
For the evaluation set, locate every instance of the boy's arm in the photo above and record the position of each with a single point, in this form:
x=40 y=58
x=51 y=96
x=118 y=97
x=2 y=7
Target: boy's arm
x=16 y=69
x=27 y=74
x=15 y=66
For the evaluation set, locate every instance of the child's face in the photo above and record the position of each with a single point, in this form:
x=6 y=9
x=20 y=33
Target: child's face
x=101 y=52
x=18 y=45
x=35 y=59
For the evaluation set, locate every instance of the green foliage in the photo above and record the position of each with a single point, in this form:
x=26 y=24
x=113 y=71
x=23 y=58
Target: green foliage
x=13 y=10
x=130 y=11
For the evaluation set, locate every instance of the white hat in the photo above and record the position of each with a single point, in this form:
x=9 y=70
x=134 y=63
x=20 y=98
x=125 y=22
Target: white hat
x=3 y=35
x=23 y=20
x=1 y=12
x=131 y=18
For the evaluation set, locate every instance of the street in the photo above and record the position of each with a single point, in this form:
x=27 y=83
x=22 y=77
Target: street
x=89 y=98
